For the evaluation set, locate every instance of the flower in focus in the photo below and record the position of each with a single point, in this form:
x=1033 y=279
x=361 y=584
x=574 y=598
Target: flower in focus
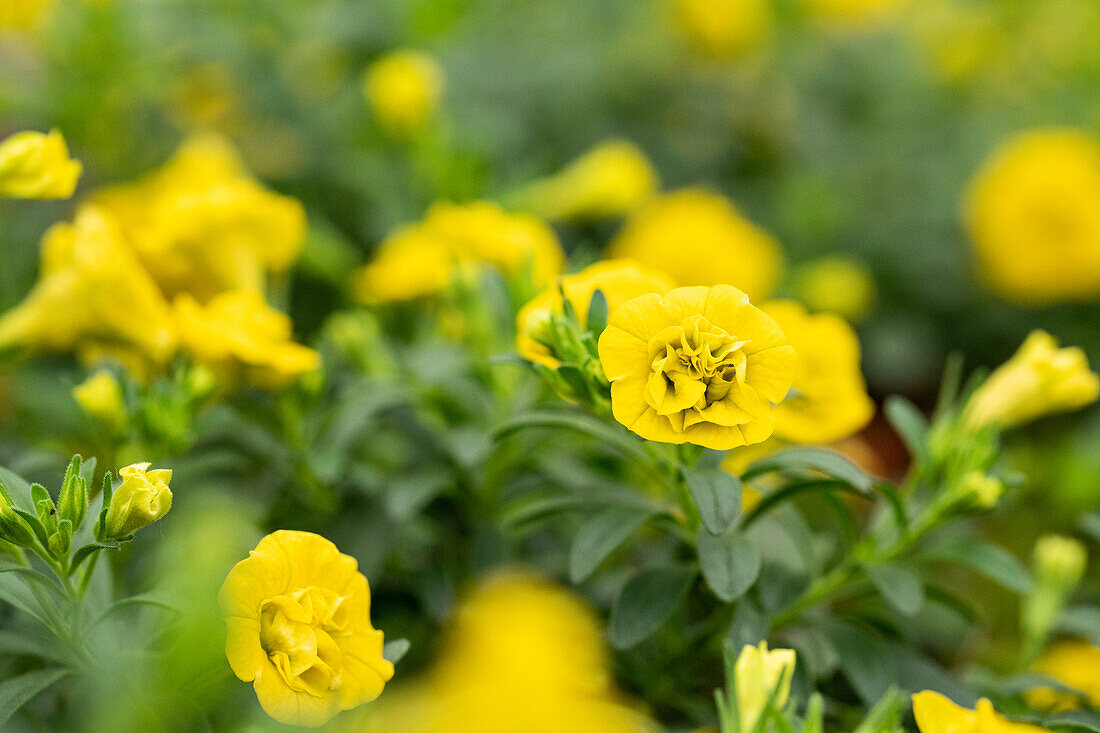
x=298 y=618
x=142 y=498
x=1040 y=379
x=241 y=337
x=418 y=259
x=618 y=280
x=100 y=396
x=838 y=285
x=698 y=365
x=34 y=165
x=201 y=225
x=937 y=714
x=521 y=655
x=1033 y=214
x=403 y=89
x=760 y=673
x=699 y=238
x=92 y=297
x=828 y=399
x=1075 y=664
x=725 y=28
x=611 y=179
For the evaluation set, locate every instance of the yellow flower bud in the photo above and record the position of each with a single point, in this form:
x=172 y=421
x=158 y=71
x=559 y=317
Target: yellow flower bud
x=143 y=498
x=34 y=165
x=403 y=89
x=984 y=490
x=100 y=396
x=759 y=673
x=1040 y=379
x=1059 y=561
x=836 y=284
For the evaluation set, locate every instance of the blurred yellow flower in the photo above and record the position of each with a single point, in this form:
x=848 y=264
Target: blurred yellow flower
x=1040 y=379
x=1033 y=214
x=1075 y=664
x=242 y=338
x=697 y=365
x=418 y=259
x=760 y=673
x=725 y=28
x=838 y=284
x=828 y=399
x=521 y=655
x=699 y=238
x=298 y=618
x=92 y=297
x=1059 y=562
x=962 y=40
x=100 y=396
x=202 y=225
x=23 y=14
x=403 y=89
x=611 y=179
x=618 y=280
x=937 y=714
x=34 y=165
x=142 y=498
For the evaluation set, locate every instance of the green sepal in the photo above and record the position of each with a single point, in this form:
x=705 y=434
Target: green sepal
x=72 y=502
x=101 y=523
x=61 y=540
x=34 y=524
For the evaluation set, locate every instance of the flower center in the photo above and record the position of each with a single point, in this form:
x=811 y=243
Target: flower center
x=298 y=632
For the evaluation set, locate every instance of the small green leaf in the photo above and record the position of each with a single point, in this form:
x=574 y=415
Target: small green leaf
x=730 y=563
x=899 y=586
x=86 y=551
x=717 y=494
x=992 y=561
x=597 y=313
x=645 y=602
x=394 y=650
x=749 y=626
x=15 y=692
x=825 y=461
x=909 y=423
x=600 y=534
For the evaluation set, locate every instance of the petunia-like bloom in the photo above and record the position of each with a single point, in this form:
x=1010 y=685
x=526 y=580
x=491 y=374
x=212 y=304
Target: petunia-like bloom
x=1040 y=379
x=937 y=714
x=1033 y=214
x=202 y=225
x=760 y=672
x=1075 y=664
x=698 y=238
x=618 y=280
x=725 y=28
x=299 y=628
x=403 y=89
x=34 y=165
x=611 y=179
x=408 y=264
x=142 y=498
x=93 y=297
x=241 y=337
x=697 y=365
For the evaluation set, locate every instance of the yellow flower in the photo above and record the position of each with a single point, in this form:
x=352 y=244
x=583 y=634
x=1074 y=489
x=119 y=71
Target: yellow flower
x=92 y=297
x=142 y=498
x=936 y=714
x=699 y=238
x=521 y=655
x=1040 y=379
x=100 y=396
x=240 y=336
x=725 y=28
x=838 y=285
x=759 y=673
x=23 y=14
x=1075 y=664
x=698 y=365
x=418 y=259
x=403 y=89
x=202 y=225
x=1033 y=213
x=298 y=618
x=611 y=179
x=34 y=165
x=828 y=399
x=618 y=280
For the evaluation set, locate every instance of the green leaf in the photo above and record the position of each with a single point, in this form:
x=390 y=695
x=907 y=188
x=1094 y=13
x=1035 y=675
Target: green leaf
x=597 y=313
x=909 y=423
x=86 y=551
x=29 y=643
x=866 y=660
x=17 y=691
x=141 y=600
x=394 y=650
x=600 y=534
x=825 y=461
x=717 y=494
x=645 y=602
x=749 y=626
x=992 y=561
x=580 y=422
x=886 y=714
x=899 y=586
x=730 y=563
